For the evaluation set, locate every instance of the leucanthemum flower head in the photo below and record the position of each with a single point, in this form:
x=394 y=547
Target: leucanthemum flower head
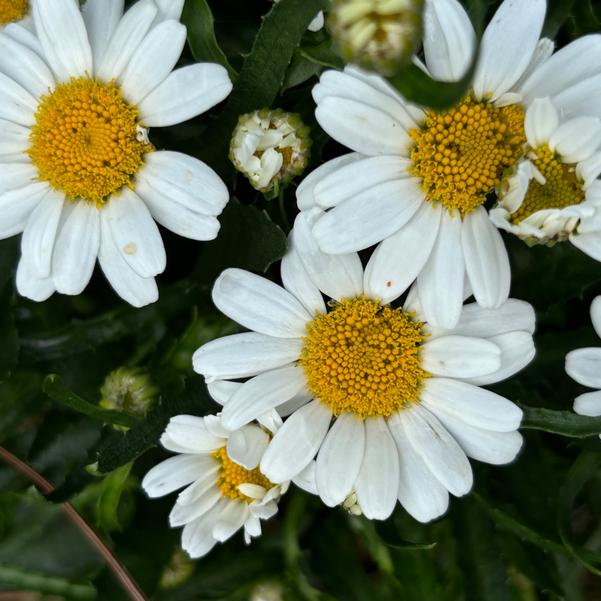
x=376 y=34
x=553 y=193
x=584 y=366
x=270 y=147
x=225 y=487
x=417 y=180
x=79 y=175
x=390 y=406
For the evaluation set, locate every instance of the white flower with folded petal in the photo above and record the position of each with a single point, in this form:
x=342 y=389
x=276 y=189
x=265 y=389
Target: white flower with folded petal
x=78 y=175
x=417 y=180
x=390 y=406
x=225 y=489
x=584 y=366
x=553 y=194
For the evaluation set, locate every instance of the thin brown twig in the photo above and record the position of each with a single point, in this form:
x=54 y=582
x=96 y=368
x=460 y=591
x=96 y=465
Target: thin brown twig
x=129 y=584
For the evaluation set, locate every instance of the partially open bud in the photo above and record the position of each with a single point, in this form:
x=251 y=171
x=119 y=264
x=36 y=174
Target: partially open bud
x=128 y=389
x=270 y=147
x=379 y=35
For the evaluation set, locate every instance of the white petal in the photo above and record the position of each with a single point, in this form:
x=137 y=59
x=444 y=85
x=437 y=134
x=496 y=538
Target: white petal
x=579 y=99
x=339 y=459
x=16 y=103
x=14 y=142
x=296 y=402
x=398 y=259
x=184 y=514
x=306 y=479
x=247 y=445
x=517 y=350
x=261 y=393
x=440 y=283
x=153 y=60
x=588 y=404
x=486 y=260
x=24 y=66
x=30 y=285
x=222 y=390
x=260 y=305
x=171 y=474
x=126 y=39
x=449 y=39
x=173 y=176
x=361 y=127
x=297 y=281
x=197 y=536
x=76 y=248
x=439 y=450
x=135 y=233
x=541 y=121
x=40 y=233
x=16 y=206
x=101 y=18
x=305 y=191
x=169 y=9
x=508 y=45
x=191 y=433
x=420 y=493
x=577 y=139
x=185 y=93
x=584 y=366
x=460 y=356
x=24 y=35
x=473 y=405
x=587 y=243
x=230 y=520
x=63 y=36
x=243 y=355
x=337 y=276
x=596 y=314
x=199 y=487
x=130 y=286
x=369 y=217
x=297 y=442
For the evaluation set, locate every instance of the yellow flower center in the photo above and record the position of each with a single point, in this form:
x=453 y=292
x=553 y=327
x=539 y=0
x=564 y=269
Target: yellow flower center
x=87 y=141
x=461 y=154
x=231 y=475
x=363 y=358
x=13 y=10
x=561 y=189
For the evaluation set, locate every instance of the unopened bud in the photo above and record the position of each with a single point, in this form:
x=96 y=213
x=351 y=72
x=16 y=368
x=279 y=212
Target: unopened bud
x=380 y=35
x=270 y=147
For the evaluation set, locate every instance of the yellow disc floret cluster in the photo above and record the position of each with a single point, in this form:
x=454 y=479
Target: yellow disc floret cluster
x=86 y=140
x=231 y=475
x=561 y=189
x=461 y=154
x=13 y=10
x=364 y=358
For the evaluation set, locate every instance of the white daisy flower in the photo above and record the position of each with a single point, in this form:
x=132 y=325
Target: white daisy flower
x=417 y=179
x=584 y=366
x=391 y=406
x=78 y=175
x=553 y=194
x=225 y=488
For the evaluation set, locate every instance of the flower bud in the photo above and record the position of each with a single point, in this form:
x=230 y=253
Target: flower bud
x=177 y=572
x=270 y=147
x=379 y=35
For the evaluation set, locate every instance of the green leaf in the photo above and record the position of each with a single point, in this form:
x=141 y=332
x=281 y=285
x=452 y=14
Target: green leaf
x=198 y=19
x=322 y=54
x=262 y=73
x=55 y=389
x=566 y=423
x=248 y=239
x=584 y=468
x=107 y=508
x=300 y=70
x=28 y=581
x=119 y=449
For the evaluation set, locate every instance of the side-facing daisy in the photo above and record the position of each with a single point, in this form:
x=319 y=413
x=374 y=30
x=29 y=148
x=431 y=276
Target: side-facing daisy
x=78 y=173
x=584 y=366
x=225 y=488
x=553 y=194
x=390 y=406
x=417 y=180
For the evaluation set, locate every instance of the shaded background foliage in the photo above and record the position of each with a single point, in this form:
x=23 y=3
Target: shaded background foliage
x=529 y=531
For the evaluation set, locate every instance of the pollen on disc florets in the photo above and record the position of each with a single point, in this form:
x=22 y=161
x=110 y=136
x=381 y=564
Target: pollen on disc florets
x=231 y=475
x=364 y=358
x=13 y=10
x=461 y=154
x=561 y=187
x=87 y=141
